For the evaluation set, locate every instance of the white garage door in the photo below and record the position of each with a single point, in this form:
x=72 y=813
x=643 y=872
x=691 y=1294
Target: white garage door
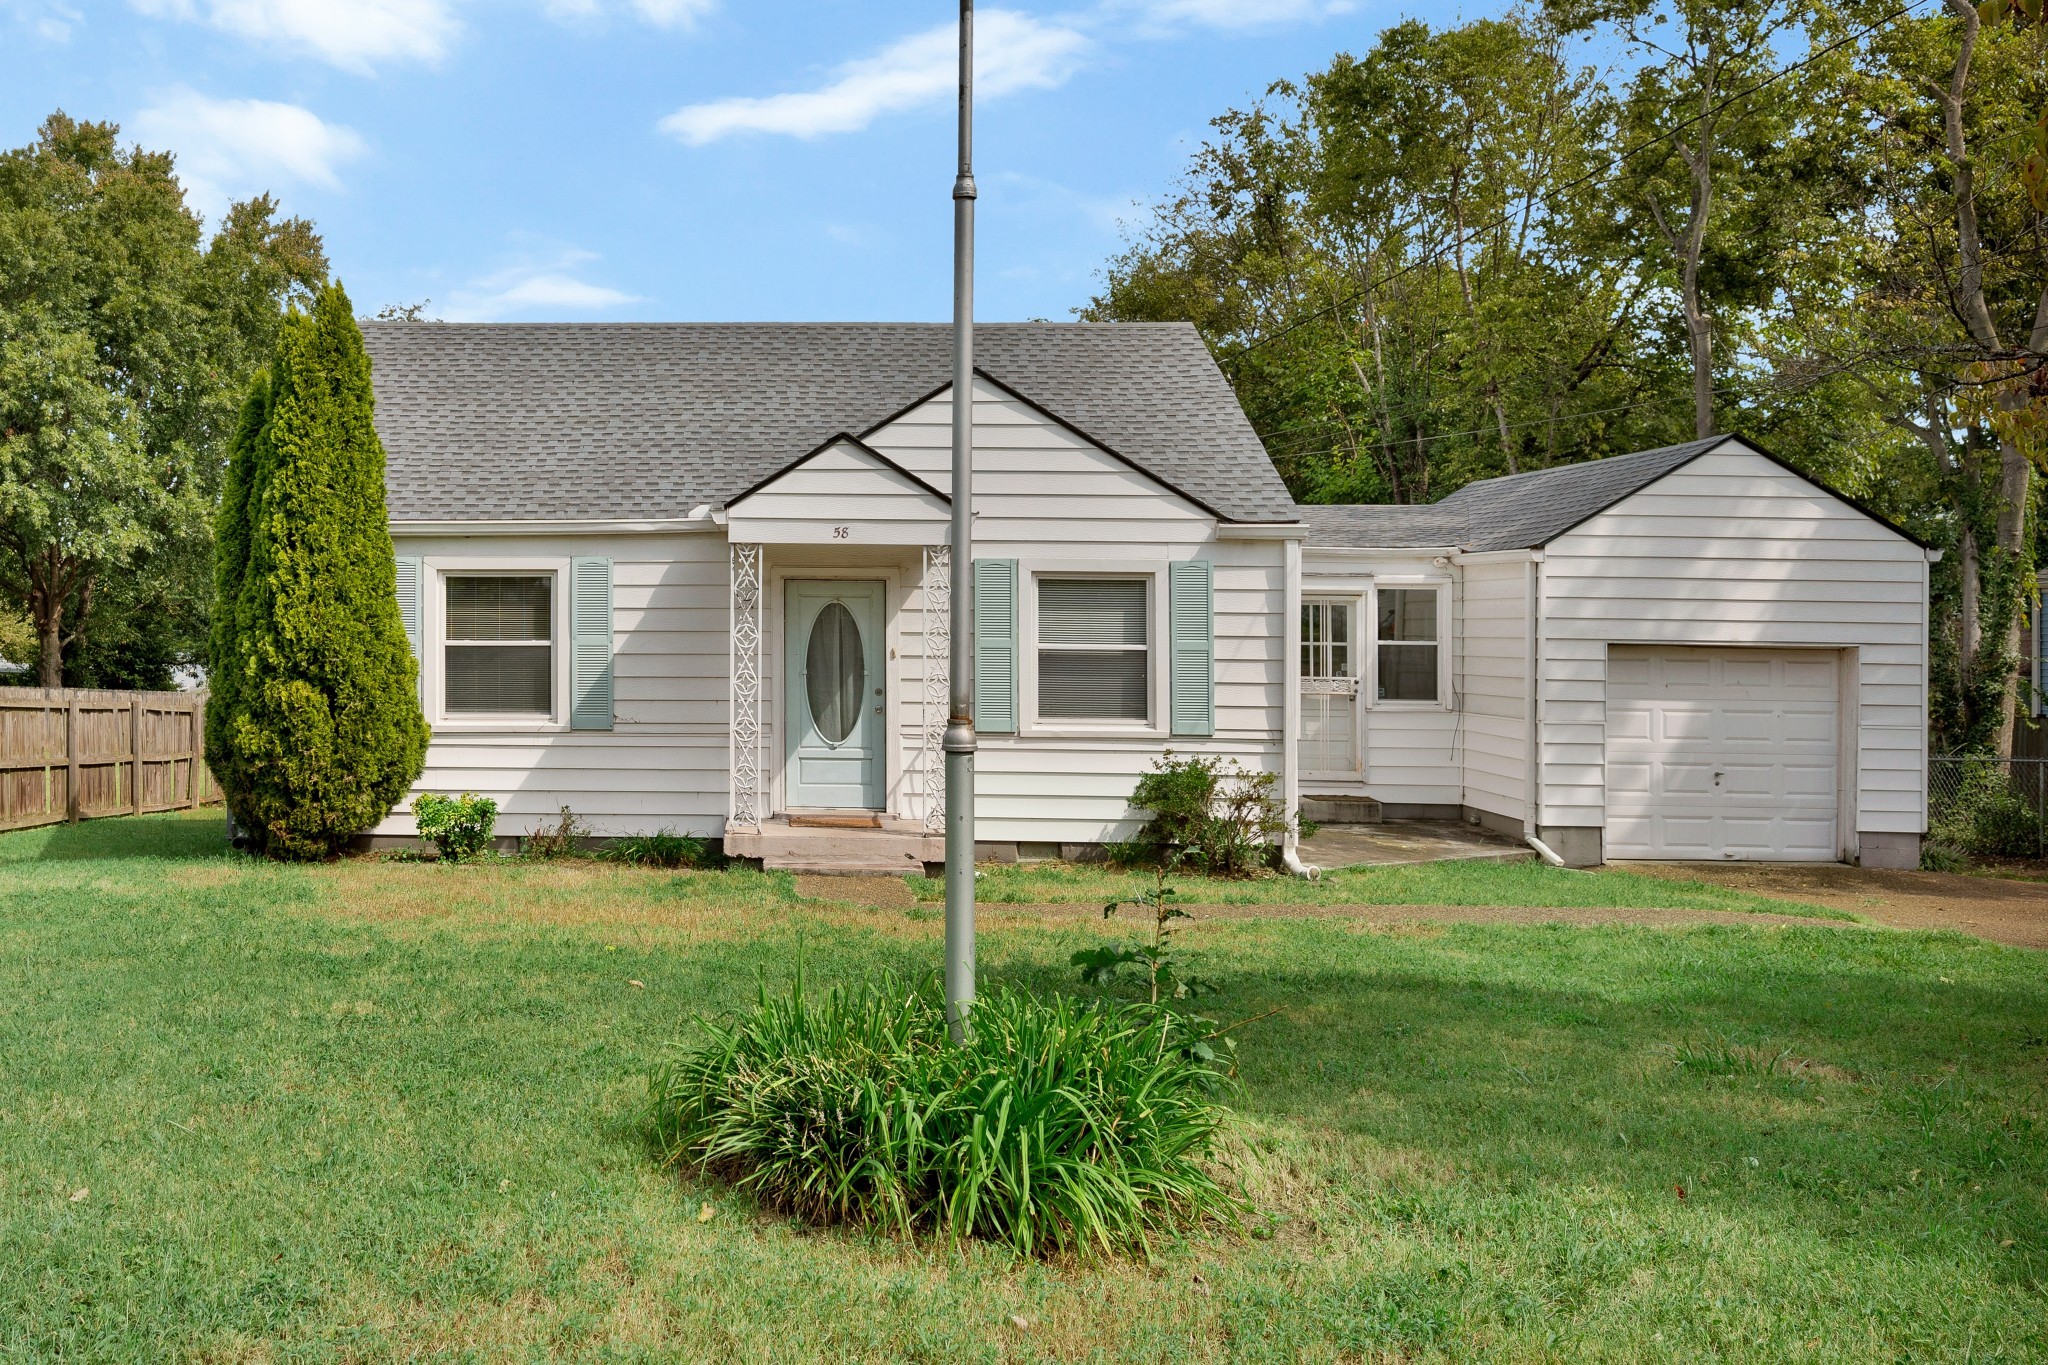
x=1722 y=753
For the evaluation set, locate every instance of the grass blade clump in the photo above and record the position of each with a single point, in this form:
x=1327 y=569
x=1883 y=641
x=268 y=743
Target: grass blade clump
x=1060 y=1127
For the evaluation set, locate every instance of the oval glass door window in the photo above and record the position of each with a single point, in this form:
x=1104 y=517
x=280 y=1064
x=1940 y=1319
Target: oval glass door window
x=835 y=673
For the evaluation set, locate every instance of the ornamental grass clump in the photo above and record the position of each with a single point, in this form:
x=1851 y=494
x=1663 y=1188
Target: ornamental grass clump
x=1061 y=1126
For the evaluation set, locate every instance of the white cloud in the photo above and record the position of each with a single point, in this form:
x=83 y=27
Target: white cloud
x=52 y=22
x=679 y=14
x=545 y=283
x=232 y=148
x=1012 y=52
x=673 y=13
x=1235 y=14
x=351 y=34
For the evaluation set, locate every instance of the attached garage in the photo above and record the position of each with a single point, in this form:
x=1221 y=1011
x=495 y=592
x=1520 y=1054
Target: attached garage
x=1694 y=653
x=1723 y=753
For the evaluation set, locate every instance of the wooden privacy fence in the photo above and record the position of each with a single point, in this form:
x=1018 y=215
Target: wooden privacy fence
x=72 y=754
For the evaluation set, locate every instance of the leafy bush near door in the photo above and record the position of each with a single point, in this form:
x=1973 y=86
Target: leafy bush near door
x=1210 y=815
x=461 y=827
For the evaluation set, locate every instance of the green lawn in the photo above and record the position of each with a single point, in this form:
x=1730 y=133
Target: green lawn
x=385 y=1111
x=1467 y=882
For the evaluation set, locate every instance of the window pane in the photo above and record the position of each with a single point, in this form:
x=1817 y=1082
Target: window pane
x=500 y=679
x=1091 y=611
x=1408 y=613
x=500 y=608
x=1096 y=684
x=1407 y=672
x=1325 y=639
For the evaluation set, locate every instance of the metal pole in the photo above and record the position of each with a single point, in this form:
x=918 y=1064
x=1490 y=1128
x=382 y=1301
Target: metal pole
x=959 y=741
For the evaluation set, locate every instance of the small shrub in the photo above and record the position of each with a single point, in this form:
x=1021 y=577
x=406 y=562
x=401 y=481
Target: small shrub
x=1939 y=855
x=1212 y=815
x=1158 y=960
x=1058 y=1127
x=460 y=826
x=564 y=839
x=1988 y=817
x=665 y=848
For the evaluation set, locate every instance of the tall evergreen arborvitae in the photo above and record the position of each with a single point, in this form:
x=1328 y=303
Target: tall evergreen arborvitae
x=326 y=733
x=226 y=664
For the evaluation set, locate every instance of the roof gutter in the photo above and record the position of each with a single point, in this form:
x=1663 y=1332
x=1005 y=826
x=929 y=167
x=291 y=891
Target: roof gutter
x=1261 y=530
x=702 y=519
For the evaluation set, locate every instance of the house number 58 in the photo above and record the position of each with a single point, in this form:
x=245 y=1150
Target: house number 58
x=842 y=532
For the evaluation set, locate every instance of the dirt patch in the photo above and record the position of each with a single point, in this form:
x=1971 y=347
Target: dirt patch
x=880 y=893
x=1404 y=916
x=2013 y=912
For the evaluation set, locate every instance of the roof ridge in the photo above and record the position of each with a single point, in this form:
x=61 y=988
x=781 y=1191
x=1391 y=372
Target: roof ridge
x=1600 y=462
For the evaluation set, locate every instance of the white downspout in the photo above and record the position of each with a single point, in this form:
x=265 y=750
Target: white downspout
x=1290 y=710
x=1533 y=801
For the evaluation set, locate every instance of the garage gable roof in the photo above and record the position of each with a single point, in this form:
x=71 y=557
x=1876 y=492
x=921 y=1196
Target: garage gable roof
x=575 y=421
x=1527 y=511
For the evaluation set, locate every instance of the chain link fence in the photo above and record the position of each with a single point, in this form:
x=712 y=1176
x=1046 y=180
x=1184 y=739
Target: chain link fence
x=1988 y=807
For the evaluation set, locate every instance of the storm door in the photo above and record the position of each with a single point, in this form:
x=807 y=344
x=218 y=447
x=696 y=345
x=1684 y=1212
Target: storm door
x=834 y=695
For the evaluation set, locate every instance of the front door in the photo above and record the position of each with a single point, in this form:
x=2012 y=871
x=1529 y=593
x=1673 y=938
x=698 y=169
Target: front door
x=835 y=695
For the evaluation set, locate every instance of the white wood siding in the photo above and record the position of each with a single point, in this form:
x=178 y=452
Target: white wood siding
x=1050 y=499
x=663 y=764
x=1495 y=630
x=1735 y=550
x=841 y=495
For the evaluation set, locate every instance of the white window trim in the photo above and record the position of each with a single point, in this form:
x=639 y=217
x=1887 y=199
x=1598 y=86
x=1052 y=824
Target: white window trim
x=1369 y=688
x=1154 y=726
x=434 y=633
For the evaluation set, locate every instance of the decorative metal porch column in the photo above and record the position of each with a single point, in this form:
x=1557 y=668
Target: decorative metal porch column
x=747 y=804
x=938 y=643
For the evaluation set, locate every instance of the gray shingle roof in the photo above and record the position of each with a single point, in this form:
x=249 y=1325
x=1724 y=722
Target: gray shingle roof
x=1382 y=526
x=1522 y=511
x=600 y=421
x=1514 y=512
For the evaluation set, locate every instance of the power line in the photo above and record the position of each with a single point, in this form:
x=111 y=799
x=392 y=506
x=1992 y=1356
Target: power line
x=1613 y=163
x=1308 y=440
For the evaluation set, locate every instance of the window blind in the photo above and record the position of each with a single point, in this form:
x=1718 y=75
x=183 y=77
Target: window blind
x=1093 y=649
x=499 y=645
x=1091 y=611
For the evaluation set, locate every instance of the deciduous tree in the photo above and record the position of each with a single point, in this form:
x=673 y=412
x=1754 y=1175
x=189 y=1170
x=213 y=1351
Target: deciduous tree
x=126 y=340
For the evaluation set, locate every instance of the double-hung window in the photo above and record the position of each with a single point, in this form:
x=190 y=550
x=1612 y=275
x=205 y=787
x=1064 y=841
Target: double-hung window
x=1094 y=649
x=498 y=645
x=1408 y=644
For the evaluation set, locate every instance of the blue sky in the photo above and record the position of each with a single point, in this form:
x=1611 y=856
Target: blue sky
x=673 y=159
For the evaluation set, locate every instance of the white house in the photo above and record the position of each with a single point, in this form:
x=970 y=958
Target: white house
x=694 y=577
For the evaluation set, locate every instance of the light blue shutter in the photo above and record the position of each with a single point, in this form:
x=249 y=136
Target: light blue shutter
x=995 y=646
x=1191 y=628
x=411 y=600
x=590 y=644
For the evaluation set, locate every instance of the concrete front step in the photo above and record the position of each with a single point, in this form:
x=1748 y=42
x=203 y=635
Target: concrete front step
x=881 y=852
